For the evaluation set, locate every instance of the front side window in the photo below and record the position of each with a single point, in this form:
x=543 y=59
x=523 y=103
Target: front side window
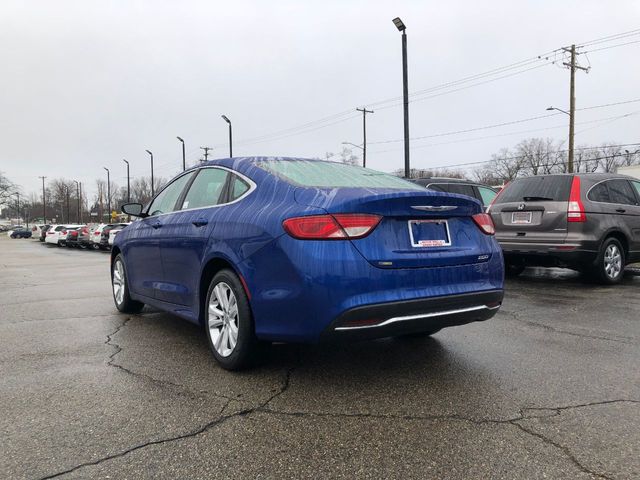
x=206 y=190
x=166 y=200
x=321 y=174
x=621 y=192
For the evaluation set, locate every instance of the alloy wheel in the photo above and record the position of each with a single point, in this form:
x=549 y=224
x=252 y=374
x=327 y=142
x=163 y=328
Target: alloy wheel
x=612 y=261
x=118 y=282
x=223 y=319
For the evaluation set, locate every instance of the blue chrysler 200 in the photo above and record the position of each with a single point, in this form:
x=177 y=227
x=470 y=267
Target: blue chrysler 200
x=258 y=250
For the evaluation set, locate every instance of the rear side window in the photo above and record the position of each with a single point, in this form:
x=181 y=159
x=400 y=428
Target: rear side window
x=542 y=188
x=600 y=193
x=321 y=174
x=460 y=189
x=238 y=188
x=621 y=192
x=206 y=189
x=636 y=186
x=487 y=195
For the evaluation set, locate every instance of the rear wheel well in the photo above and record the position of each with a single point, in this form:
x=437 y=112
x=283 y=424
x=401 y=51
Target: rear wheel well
x=621 y=237
x=114 y=253
x=212 y=267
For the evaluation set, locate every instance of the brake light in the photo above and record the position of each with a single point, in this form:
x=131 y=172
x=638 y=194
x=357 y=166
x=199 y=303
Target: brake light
x=331 y=227
x=63 y=232
x=498 y=195
x=575 y=208
x=96 y=232
x=484 y=222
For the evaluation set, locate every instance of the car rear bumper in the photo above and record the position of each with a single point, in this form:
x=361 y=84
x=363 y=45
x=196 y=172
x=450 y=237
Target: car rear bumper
x=550 y=254
x=413 y=316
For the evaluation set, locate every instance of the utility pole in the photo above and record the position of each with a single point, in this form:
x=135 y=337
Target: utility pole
x=572 y=99
x=206 y=153
x=80 y=209
x=44 y=203
x=364 y=134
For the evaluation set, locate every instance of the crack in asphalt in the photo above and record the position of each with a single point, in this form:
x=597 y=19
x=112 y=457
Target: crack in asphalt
x=183 y=390
x=516 y=317
x=207 y=426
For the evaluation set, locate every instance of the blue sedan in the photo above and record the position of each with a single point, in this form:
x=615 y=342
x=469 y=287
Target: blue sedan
x=260 y=250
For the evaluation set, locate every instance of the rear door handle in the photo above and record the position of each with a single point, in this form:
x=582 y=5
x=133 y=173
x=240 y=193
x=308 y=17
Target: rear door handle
x=620 y=210
x=200 y=222
x=156 y=225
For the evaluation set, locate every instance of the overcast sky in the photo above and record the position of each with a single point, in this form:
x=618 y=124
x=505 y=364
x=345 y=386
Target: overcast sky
x=85 y=84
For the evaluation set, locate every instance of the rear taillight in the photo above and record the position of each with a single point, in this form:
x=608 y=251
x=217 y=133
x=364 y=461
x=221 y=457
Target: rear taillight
x=484 y=222
x=575 y=208
x=96 y=232
x=63 y=232
x=331 y=227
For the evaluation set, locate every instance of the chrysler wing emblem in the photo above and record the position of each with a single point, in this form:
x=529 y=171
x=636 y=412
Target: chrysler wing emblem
x=434 y=208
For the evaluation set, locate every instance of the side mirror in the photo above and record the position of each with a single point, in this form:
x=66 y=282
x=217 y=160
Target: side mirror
x=134 y=209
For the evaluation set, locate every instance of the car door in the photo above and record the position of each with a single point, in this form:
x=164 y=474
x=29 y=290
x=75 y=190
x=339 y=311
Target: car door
x=142 y=248
x=625 y=205
x=185 y=234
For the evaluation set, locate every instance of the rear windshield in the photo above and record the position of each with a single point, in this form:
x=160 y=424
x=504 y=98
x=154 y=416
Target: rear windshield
x=538 y=188
x=321 y=174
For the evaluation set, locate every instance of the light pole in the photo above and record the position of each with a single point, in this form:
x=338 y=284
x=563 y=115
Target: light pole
x=571 y=134
x=108 y=193
x=18 y=207
x=78 y=195
x=128 y=184
x=44 y=204
x=184 y=161
x=405 y=94
x=224 y=117
x=151 y=155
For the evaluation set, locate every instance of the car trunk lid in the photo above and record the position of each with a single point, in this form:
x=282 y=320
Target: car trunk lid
x=417 y=229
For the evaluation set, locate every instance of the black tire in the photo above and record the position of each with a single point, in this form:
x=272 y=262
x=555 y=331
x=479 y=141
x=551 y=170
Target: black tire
x=126 y=303
x=609 y=266
x=513 y=269
x=248 y=350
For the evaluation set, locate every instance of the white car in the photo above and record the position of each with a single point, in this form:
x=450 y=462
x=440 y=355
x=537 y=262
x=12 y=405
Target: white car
x=95 y=234
x=114 y=231
x=57 y=234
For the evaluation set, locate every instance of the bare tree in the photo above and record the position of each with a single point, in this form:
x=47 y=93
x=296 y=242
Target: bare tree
x=7 y=188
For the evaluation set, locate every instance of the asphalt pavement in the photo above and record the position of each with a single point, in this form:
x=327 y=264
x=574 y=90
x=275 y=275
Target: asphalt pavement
x=549 y=388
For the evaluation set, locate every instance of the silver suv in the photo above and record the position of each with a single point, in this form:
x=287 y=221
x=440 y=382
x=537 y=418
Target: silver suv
x=587 y=222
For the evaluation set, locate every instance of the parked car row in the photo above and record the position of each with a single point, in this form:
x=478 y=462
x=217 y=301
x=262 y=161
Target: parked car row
x=97 y=237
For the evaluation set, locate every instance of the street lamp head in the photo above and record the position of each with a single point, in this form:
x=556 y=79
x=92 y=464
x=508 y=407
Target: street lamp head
x=106 y=168
x=399 y=25
x=224 y=117
x=550 y=108
x=179 y=138
x=149 y=152
x=125 y=161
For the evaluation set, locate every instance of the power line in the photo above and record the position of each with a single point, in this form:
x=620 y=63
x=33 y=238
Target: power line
x=457 y=141
x=516 y=157
x=611 y=46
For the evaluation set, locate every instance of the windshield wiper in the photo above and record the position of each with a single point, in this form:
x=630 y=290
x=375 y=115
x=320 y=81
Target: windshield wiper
x=536 y=199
